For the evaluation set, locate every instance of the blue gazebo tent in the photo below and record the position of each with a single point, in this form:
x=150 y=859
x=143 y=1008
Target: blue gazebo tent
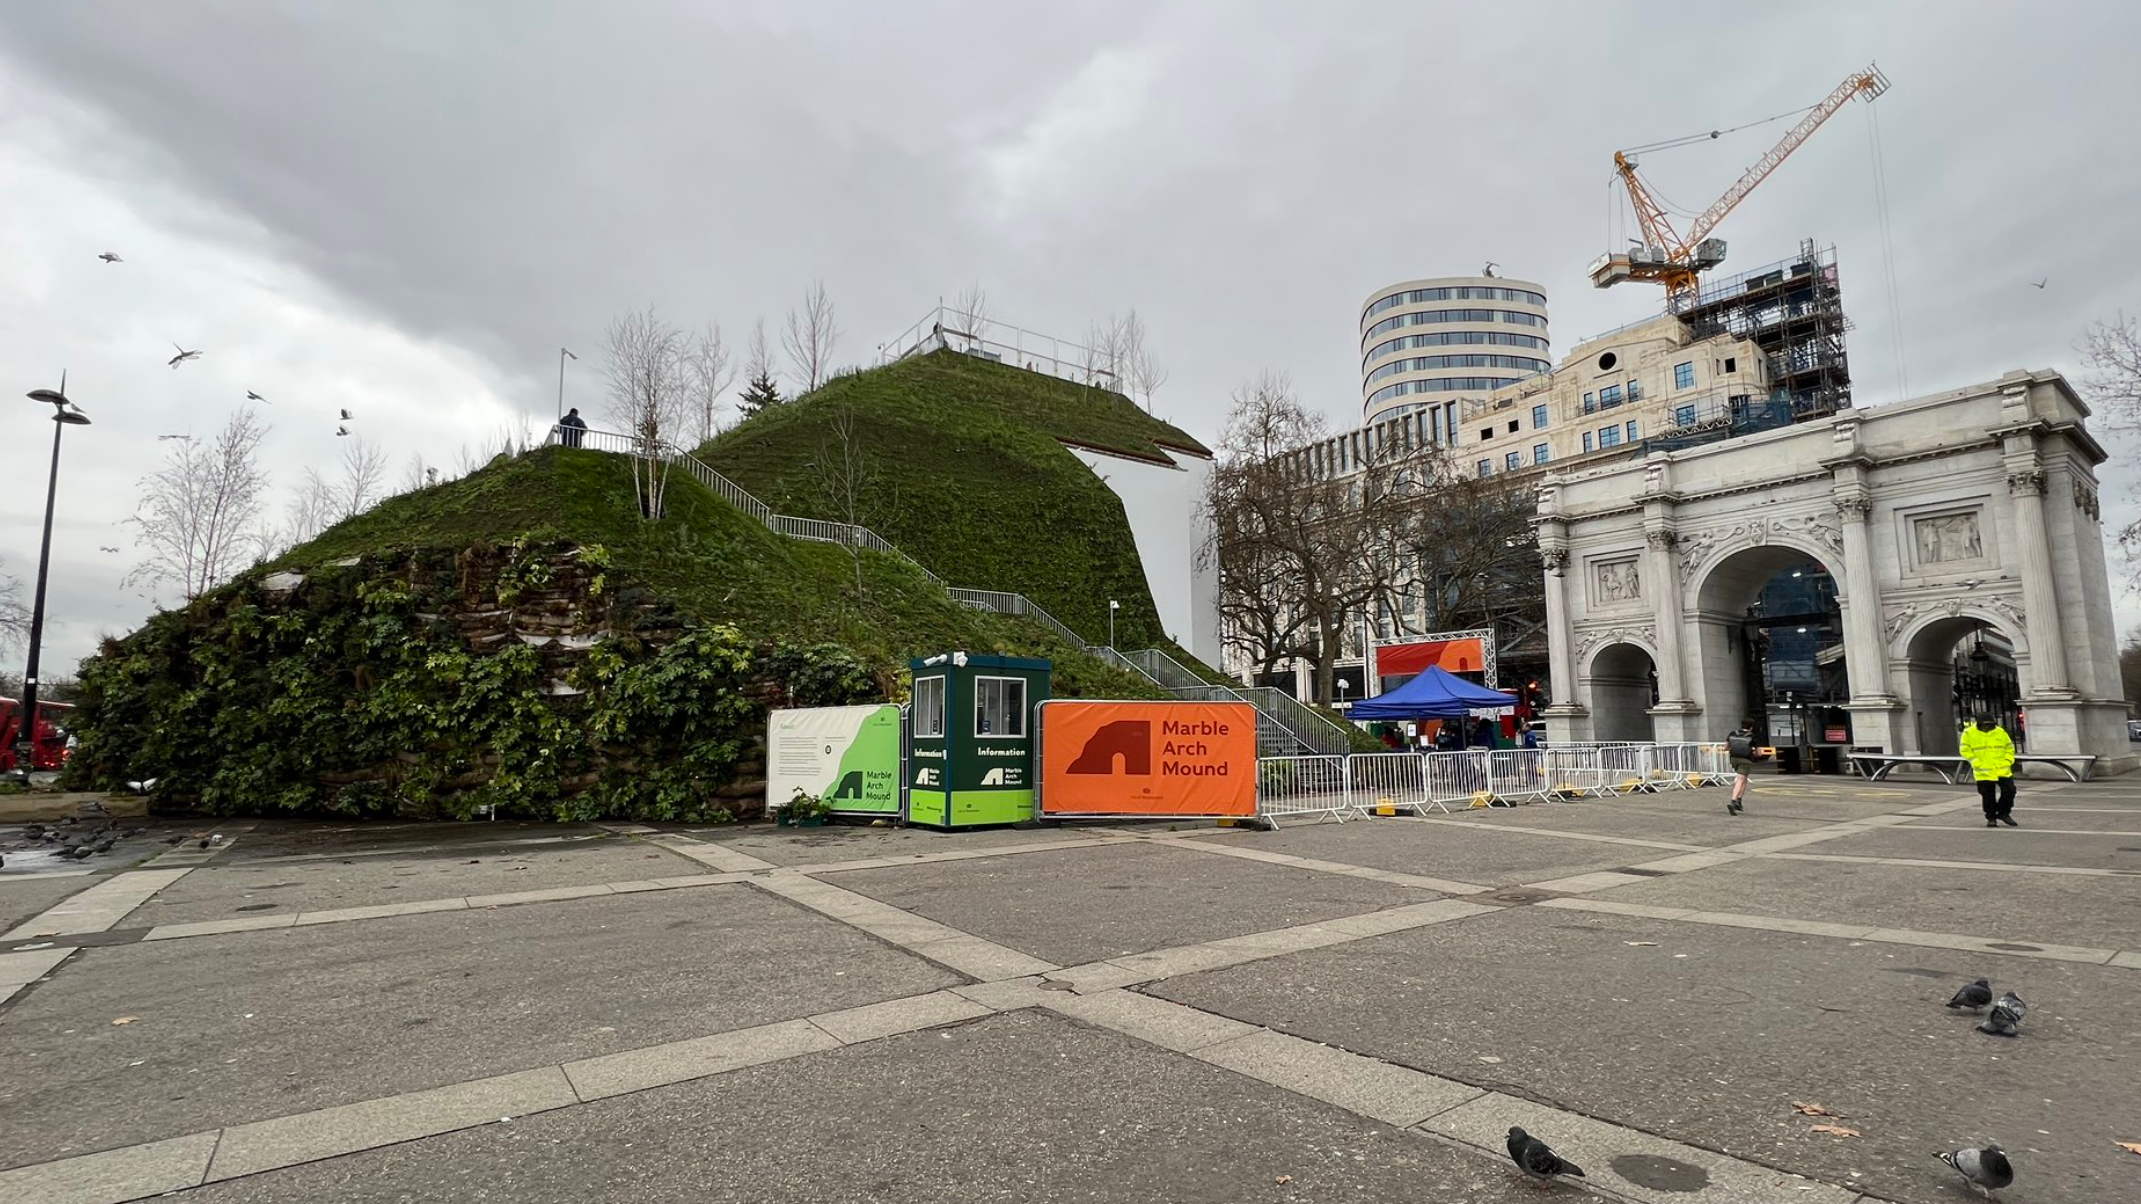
x=1435 y=693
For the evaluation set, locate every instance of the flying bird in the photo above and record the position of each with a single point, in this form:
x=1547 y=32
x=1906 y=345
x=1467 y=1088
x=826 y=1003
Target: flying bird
x=109 y=257
x=161 y=438
x=105 y=549
x=2041 y=283
x=1985 y=1167
x=1973 y=996
x=183 y=355
x=341 y=430
x=1536 y=1159
x=252 y=396
x=346 y=415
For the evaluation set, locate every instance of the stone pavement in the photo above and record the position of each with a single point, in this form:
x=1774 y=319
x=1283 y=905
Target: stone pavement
x=1333 y=1012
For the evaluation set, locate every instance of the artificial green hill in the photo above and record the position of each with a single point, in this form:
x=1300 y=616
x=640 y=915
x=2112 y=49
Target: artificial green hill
x=972 y=478
x=520 y=639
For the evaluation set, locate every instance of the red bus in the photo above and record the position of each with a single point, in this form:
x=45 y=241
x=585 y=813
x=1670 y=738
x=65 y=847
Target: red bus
x=49 y=750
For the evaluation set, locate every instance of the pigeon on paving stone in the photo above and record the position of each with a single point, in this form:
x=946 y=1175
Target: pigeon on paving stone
x=1536 y=1159
x=2006 y=1015
x=1986 y=1166
x=1974 y=996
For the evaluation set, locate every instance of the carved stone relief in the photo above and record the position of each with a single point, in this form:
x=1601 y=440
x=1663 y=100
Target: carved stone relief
x=1948 y=538
x=1645 y=635
x=1616 y=582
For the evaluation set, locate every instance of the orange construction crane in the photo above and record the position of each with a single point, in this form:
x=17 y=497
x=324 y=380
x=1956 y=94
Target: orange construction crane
x=1676 y=261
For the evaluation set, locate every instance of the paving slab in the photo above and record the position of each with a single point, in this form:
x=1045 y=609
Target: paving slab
x=1021 y=1107
x=1084 y=905
x=25 y=895
x=250 y=1026
x=845 y=842
x=1707 y=1036
x=104 y=905
x=1446 y=850
x=2079 y=815
x=273 y=839
x=2020 y=846
x=2023 y=908
x=228 y=889
x=1636 y=818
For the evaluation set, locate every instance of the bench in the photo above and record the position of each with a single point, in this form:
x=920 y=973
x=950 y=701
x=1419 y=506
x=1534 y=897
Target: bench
x=1877 y=766
x=2076 y=766
x=1954 y=769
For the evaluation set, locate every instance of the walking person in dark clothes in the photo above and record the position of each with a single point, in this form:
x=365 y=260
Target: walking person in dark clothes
x=1739 y=746
x=1991 y=753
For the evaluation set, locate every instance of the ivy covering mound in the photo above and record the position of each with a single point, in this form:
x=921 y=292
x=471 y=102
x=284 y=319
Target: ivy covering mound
x=970 y=475
x=519 y=640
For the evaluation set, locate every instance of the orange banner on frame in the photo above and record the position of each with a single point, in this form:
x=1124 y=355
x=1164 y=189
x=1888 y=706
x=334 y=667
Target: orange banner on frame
x=1148 y=758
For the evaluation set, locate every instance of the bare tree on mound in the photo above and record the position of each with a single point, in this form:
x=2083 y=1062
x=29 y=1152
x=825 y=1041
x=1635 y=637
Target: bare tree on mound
x=1142 y=374
x=708 y=363
x=846 y=486
x=970 y=311
x=199 y=515
x=312 y=509
x=760 y=391
x=809 y=338
x=2113 y=352
x=364 y=478
x=650 y=394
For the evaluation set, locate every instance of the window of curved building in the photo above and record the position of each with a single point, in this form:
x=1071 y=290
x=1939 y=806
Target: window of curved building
x=1441 y=384
x=1431 y=317
x=1426 y=363
x=1455 y=338
x=1458 y=292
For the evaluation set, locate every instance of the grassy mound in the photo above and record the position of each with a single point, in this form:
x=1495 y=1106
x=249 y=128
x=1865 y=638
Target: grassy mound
x=520 y=640
x=972 y=479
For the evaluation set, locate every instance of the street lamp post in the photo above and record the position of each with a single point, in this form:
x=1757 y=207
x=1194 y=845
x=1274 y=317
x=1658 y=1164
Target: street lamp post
x=563 y=355
x=64 y=415
x=1113 y=606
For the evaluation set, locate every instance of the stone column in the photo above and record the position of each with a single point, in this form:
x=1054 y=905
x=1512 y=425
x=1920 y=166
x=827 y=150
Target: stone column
x=1661 y=576
x=1567 y=717
x=2040 y=595
x=1875 y=710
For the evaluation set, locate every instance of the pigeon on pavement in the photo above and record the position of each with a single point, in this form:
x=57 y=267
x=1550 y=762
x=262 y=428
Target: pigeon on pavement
x=1536 y=1159
x=1986 y=1167
x=2006 y=1015
x=1974 y=996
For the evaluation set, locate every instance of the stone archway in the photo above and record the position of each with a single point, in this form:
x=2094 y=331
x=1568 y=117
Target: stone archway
x=1925 y=664
x=1622 y=678
x=1725 y=588
x=1972 y=507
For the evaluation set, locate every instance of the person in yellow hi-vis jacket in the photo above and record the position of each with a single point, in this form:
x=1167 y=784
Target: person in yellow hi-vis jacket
x=1991 y=753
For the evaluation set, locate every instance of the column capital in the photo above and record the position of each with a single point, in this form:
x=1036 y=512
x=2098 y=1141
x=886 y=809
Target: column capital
x=1854 y=505
x=1554 y=560
x=2025 y=481
x=1661 y=536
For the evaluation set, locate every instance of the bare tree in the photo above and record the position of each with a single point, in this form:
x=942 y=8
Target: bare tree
x=650 y=395
x=845 y=484
x=970 y=310
x=760 y=389
x=312 y=509
x=1142 y=374
x=2113 y=352
x=809 y=338
x=14 y=616
x=707 y=360
x=364 y=478
x=1300 y=554
x=199 y=515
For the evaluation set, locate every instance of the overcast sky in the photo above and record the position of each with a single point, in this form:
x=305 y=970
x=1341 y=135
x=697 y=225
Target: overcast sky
x=406 y=208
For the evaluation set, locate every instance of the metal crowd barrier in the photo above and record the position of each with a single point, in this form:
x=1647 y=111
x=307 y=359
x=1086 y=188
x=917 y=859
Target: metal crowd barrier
x=1292 y=788
x=1397 y=780
x=1335 y=787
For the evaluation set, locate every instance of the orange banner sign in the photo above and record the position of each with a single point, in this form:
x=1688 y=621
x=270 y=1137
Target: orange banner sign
x=1148 y=758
